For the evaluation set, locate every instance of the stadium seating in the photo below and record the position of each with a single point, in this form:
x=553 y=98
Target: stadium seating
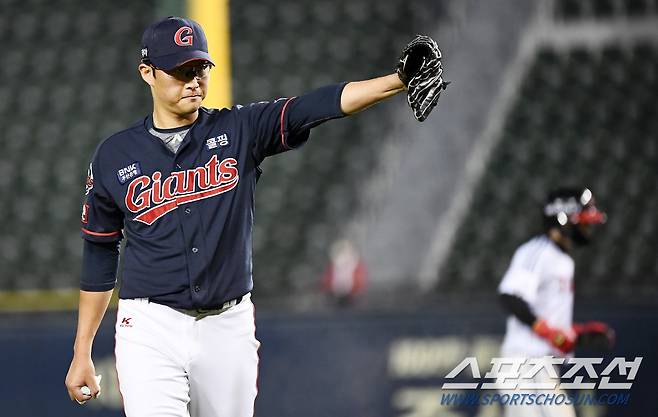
x=604 y=9
x=76 y=66
x=304 y=197
x=582 y=117
x=69 y=79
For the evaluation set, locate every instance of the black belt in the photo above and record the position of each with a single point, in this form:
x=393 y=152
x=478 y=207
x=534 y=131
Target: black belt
x=199 y=313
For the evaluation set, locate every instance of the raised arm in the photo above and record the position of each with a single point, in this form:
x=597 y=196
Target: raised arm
x=285 y=123
x=359 y=95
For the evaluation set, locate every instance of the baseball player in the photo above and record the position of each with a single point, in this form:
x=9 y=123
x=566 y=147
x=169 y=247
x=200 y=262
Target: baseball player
x=537 y=293
x=179 y=186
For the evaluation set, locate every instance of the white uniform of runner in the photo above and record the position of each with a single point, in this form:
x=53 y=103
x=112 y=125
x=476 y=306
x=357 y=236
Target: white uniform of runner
x=541 y=274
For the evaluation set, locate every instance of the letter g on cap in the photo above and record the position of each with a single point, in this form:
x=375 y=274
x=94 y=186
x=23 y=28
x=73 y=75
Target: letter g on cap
x=183 y=36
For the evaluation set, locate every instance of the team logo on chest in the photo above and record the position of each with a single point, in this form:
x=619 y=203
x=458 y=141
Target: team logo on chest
x=153 y=197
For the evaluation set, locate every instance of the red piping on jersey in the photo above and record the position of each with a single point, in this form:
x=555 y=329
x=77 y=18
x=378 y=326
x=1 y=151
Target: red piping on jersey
x=283 y=111
x=89 y=232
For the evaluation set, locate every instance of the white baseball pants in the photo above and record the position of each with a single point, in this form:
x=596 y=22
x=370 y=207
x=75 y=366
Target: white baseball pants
x=171 y=365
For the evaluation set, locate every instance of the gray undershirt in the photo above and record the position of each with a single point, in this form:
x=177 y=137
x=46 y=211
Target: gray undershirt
x=172 y=140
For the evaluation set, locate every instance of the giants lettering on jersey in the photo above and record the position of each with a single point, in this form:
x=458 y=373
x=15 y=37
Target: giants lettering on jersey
x=155 y=197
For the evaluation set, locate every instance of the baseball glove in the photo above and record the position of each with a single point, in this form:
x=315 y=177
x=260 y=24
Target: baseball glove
x=594 y=335
x=419 y=68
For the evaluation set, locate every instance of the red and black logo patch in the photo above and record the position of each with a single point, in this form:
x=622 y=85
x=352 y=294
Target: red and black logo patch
x=89 y=183
x=85 y=213
x=183 y=36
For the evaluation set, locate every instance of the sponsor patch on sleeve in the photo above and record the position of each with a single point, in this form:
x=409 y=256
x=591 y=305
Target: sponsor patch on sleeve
x=129 y=172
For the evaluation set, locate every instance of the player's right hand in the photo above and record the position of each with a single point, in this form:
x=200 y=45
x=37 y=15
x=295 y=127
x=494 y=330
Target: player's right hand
x=563 y=340
x=82 y=373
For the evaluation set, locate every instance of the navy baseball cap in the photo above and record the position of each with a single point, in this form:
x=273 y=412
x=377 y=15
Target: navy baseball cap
x=174 y=41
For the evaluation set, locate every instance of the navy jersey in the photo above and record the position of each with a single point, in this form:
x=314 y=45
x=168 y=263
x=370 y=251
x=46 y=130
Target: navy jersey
x=188 y=216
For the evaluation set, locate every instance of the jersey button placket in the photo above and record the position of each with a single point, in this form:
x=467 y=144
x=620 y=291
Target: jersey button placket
x=190 y=223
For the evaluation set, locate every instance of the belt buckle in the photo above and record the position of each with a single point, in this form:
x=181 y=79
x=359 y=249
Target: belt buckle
x=205 y=312
x=200 y=313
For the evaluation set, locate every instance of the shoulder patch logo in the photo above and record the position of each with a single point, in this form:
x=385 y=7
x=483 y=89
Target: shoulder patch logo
x=89 y=182
x=213 y=143
x=129 y=172
x=84 y=218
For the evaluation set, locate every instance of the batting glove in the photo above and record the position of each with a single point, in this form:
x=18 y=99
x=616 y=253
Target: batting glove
x=563 y=340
